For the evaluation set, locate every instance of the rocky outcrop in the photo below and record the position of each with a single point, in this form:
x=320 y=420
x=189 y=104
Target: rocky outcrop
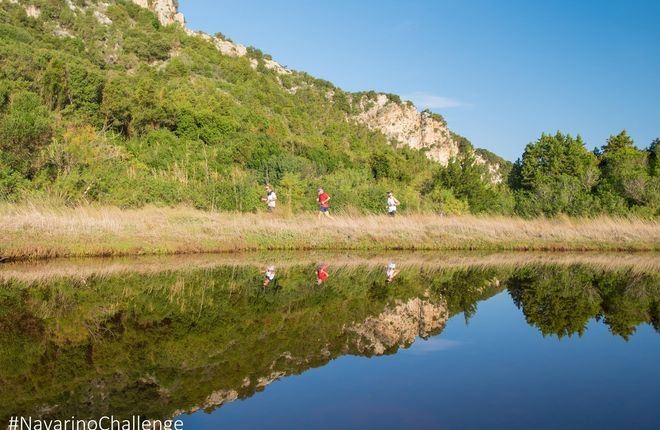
x=401 y=122
x=32 y=11
x=167 y=11
x=398 y=326
x=494 y=170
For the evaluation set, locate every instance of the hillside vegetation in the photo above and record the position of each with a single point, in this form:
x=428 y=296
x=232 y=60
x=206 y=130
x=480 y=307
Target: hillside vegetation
x=106 y=105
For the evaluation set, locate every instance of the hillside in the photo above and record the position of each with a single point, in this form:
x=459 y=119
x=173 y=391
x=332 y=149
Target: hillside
x=119 y=103
x=134 y=108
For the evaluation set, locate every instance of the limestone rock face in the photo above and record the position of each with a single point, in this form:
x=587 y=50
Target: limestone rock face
x=167 y=11
x=403 y=123
x=399 y=326
x=494 y=170
x=32 y=11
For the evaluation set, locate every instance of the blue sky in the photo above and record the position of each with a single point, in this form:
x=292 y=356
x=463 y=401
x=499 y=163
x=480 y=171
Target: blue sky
x=500 y=72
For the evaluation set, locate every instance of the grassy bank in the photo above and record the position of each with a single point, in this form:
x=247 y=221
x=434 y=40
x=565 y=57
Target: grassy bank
x=30 y=232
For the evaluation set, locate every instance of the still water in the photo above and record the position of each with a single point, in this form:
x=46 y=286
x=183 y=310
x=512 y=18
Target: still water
x=458 y=342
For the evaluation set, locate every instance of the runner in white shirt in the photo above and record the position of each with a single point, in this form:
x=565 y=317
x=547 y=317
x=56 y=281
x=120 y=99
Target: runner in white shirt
x=392 y=203
x=270 y=198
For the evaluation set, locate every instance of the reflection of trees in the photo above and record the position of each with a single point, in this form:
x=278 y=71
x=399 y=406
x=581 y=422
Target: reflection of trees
x=628 y=300
x=655 y=315
x=172 y=341
x=561 y=300
x=464 y=288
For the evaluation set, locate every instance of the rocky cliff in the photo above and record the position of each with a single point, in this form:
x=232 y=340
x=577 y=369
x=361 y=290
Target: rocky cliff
x=167 y=11
x=402 y=122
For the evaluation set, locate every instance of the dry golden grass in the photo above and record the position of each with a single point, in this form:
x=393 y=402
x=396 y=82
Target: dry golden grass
x=31 y=232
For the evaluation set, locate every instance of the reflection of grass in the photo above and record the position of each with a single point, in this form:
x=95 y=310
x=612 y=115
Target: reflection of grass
x=82 y=268
x=33 y=232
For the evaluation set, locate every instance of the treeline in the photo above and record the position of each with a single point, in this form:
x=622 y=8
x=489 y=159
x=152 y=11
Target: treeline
x=557 y=174
x=134 y=113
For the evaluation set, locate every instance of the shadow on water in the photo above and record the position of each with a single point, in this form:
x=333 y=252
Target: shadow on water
x=162 y=337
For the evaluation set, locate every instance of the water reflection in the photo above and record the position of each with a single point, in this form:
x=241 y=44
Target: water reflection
x=171 y=342
x=269 y=275
x=391 y=272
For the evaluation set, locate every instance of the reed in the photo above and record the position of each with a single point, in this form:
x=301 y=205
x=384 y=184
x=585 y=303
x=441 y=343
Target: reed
x=34 y=232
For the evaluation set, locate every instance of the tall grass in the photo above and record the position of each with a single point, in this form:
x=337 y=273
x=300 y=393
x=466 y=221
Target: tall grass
x=31 y=232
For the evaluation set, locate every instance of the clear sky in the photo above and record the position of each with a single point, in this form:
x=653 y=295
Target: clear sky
x=500 y=72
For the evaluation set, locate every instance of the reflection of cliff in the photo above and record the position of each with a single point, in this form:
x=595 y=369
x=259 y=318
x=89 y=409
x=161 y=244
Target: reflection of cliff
x=398 y=325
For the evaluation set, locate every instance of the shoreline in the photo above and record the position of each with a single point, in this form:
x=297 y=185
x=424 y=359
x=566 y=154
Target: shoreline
x=33 y=233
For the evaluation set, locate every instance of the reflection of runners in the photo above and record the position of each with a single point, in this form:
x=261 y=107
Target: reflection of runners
x=391 y=272
x=269 y=275
x=321 y=274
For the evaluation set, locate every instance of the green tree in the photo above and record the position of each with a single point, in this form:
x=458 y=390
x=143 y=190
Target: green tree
x=555 y=175
x=293 y=191
x=471 y=181
x=624 y=170
x=654 y=158
x=24 y=129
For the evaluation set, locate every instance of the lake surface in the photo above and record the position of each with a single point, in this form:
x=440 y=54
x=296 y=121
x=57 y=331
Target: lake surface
x=452 y=342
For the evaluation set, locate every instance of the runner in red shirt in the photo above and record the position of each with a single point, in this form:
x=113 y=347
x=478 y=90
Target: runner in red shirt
x=324 y=205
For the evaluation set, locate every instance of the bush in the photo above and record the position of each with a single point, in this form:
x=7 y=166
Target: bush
x=24 y=130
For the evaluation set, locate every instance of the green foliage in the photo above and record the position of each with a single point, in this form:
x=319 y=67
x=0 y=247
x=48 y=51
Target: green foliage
x=555 y=175
x=469 y=181
x=654 y=158
x=558 y=175
x=25 y=128
x=436 y=116
x=177 y=122
x=626 y=175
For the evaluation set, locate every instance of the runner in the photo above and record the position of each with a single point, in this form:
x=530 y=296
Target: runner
x=392 y=203
x=321 y=274
x=270 y=199
x=392 y=271
x=324 y=205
